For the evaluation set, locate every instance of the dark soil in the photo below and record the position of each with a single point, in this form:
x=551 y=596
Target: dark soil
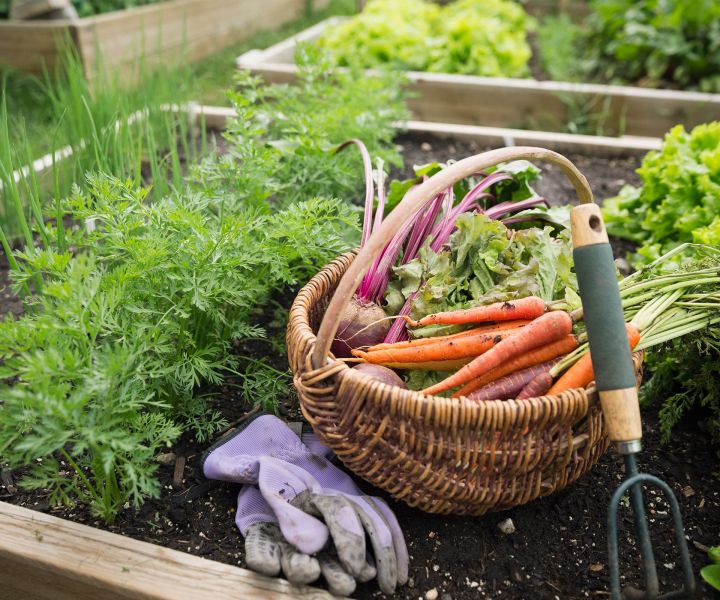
x=558 y=549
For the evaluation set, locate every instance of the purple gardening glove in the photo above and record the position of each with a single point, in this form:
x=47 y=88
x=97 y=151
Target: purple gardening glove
x=267 y=552
x=297 y=484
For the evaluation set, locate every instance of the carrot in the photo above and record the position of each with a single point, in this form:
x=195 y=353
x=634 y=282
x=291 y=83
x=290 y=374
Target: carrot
x=470 y=345
x=431 y=365
x=508 y=386
x=530 y=307
x=537 y=386
x=533 y=357
x=489 y=328
x=550 y=327
x=581 y=373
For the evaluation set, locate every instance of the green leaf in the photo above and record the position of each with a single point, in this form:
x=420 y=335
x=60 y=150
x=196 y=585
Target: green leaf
x=519 y=188
x=711 y=574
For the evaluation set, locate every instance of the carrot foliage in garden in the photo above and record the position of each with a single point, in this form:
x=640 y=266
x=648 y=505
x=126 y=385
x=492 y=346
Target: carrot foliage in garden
x=127 y=318
x=287 y=134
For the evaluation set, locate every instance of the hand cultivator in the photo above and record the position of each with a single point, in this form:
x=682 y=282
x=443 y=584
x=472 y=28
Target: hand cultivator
x=615 y=381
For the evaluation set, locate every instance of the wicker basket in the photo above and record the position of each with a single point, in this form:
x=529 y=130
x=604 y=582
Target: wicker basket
x=442 y=455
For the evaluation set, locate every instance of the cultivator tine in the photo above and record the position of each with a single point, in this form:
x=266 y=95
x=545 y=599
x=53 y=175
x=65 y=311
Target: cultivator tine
x=651 y=592
x=617 y=388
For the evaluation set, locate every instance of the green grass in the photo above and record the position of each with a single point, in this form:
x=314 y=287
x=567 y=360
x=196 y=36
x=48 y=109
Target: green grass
x=212 y=76
x=124 y=132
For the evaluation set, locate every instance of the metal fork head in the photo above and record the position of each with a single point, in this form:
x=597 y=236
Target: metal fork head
x=651 y=592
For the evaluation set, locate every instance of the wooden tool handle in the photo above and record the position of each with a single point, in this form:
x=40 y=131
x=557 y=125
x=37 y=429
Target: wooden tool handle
x=603 y=315
x=409 y=205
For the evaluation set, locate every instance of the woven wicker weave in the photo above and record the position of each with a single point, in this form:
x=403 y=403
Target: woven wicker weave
x=442 y=455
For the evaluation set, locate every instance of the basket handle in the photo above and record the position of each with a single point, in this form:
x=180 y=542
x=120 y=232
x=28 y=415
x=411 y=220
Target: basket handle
x=410 y=204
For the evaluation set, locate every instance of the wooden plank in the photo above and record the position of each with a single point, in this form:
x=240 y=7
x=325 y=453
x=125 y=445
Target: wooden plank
x=43 y=557
x=216 y=117
x=157 y=32
x=160 y=31
x=562 y=142
x=507 y=102
x=30 y=46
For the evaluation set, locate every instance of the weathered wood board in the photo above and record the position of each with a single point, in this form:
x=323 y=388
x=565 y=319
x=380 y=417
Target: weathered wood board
x=518 y=103
x=46 y=558
x=159 y=33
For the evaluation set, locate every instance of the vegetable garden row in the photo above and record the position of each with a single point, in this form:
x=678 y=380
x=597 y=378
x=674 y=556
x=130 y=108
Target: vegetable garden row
x=149 y=284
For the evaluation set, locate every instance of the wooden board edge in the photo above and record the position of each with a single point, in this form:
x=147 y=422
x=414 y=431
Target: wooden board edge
x=44 y=557
x=270 y=54
x=562 y=142
x=216 y=117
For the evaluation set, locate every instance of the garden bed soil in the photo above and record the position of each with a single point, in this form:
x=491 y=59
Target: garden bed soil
x=558 y=549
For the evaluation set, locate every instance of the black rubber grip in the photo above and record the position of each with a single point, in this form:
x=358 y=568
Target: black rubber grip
x=603 y=315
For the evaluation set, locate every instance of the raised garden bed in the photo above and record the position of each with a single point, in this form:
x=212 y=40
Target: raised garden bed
x=158 y=33
x=517 y=103
x=557 y=551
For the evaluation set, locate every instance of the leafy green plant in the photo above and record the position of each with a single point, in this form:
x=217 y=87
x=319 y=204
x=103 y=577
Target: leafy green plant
x=105 y=363
x=107 y=127
x=288 y=134
x=134 y=300
x=684 y=376
x=678 y=199
x=655 y=42
x=558 y=39
x=711 y=573
x=479 y=37
x=676 y=203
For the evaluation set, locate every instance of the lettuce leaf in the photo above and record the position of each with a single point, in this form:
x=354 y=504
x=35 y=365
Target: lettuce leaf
x=679 y=198
x=486 y=262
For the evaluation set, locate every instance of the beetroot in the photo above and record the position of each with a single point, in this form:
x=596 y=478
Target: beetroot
x=381 y=373
x=362 y=324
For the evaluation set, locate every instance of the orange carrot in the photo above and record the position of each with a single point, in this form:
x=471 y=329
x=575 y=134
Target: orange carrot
x=581 y=373
x=470 y=345
x=433 y=365
x=534 y=357
x=530 y=307
x=489 y=328
x=508 y=386
x=537 y=386
x=550 y=327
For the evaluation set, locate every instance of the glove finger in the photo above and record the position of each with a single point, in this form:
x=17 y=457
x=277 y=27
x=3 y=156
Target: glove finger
x=340 y=582
x=279 y=482
x=298 y=567
x=345 y=528
x=369 y=571
x=401 y=551
x=383 y=549
x=262 y=550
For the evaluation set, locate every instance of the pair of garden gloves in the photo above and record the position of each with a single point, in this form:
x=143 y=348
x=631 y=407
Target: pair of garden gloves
x=301 y=514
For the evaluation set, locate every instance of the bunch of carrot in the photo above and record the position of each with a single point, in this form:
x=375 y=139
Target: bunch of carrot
x=513 y=351
x=527 y=347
